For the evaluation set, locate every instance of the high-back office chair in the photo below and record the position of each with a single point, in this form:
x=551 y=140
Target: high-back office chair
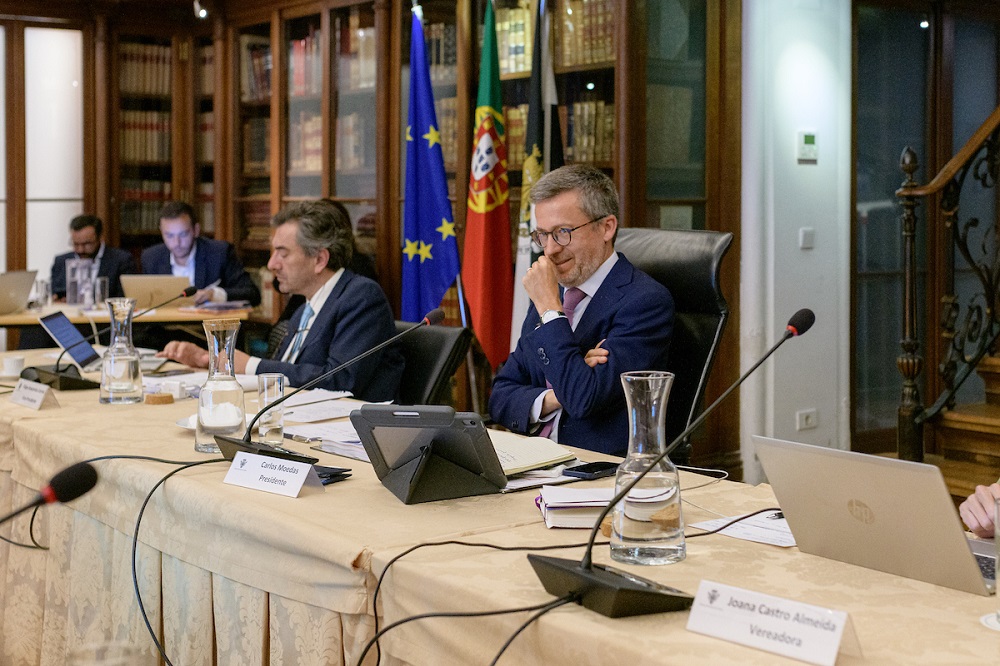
x=688 y=264
x=432 y=355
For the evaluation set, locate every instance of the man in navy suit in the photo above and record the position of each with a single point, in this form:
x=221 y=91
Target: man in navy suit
x=86 y=234
x=562 y=380
x=344 y=314
x=211 y=265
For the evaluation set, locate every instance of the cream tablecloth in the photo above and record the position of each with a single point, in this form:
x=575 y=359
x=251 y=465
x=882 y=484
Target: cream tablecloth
x=233 y=576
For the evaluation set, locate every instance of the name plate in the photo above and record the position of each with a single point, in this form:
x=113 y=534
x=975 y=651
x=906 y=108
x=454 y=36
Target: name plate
x=273 y=475
x=790 y=628
x=33 y=394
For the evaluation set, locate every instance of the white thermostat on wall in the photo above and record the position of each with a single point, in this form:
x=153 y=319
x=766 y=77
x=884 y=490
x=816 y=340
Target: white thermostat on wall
x=806 y=149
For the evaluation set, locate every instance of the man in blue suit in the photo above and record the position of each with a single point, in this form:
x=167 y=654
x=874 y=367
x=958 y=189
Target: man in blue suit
x=211 y=265
x=86 y=234
x=562 y=380
x=344 y=314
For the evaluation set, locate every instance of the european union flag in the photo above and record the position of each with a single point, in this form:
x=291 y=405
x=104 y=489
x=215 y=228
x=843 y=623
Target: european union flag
x=430 y=248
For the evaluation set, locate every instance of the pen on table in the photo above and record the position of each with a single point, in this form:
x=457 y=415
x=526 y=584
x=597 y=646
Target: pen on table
x=302 y=438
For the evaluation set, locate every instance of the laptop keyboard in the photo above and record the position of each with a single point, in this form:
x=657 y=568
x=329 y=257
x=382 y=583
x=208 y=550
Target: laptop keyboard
x=987 y=565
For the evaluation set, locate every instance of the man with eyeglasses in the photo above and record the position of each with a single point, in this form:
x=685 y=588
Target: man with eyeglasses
x=86 y=236
x=593 y=316
x=210 y=265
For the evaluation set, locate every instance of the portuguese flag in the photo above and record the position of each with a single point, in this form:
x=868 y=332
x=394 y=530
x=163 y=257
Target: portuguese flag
x=487 y=273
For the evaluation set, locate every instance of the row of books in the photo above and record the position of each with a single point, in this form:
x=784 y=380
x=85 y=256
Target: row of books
x=515 y=41
x=350 y=148
x=305 y=66
x=256 y=217
x=205 y=62
x=145 y=136
x=355 y=53
x=305 y=142
x=585 y=32
x=205 y=138
x=515 y=120
x=447 y=117
x=141 y=203
x=255 y=68
x=442 y=52
x=588 y=131
x=257 y=146
x=204 y=204
x=143 y=69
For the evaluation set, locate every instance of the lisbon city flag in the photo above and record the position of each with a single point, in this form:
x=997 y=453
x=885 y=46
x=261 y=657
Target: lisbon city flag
x=430 y=249
x=486 y=273
x=542 y=153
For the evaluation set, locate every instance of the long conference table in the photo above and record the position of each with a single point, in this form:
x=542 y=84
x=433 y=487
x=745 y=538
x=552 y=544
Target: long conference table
x=170 y=314
x=235 y=576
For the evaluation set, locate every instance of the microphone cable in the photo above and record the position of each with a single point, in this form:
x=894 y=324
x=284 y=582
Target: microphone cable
x=135 y=544
x=558 y=602
x=562 y=601
x=34 y=545
x=449 y=542
x=544 y=607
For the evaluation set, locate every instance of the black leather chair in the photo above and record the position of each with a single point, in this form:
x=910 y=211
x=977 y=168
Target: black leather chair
x=432 y=354
x=688 y=264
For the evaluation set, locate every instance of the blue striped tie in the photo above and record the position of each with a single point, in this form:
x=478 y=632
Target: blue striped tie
x=300 y=334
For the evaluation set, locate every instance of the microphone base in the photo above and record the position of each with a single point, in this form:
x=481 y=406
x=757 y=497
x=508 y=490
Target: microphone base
x=606 y=590
x=67 y=379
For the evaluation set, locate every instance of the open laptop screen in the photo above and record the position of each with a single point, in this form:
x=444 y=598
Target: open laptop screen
x=66 y=336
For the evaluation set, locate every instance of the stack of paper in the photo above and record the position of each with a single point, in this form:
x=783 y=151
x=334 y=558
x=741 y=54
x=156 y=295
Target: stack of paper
x=573 y=507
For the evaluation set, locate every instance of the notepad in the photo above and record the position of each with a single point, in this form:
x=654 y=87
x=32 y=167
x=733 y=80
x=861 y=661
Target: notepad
x=519 y=454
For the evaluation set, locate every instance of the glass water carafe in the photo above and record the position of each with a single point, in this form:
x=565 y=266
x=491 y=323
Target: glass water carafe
x=220 y=405
x=121 y=378
x=647 y=525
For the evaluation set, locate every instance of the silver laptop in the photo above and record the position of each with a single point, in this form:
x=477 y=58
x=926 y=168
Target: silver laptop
x=151 y=290
x=82 y=353
x=881 y=513
x=15 y=289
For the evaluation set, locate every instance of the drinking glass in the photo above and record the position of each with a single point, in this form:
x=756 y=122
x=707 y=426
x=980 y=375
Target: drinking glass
x=270 y=387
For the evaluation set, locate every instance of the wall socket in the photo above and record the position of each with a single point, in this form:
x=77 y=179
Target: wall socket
x=805 y=419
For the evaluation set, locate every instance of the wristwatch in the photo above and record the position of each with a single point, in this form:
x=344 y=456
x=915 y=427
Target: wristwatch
x=549 y=315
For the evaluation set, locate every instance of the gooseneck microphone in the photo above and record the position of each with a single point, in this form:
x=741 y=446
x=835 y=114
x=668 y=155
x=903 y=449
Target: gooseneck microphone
x=615 y=593
x=433 y=317
x=65 y=486
x=189 y=291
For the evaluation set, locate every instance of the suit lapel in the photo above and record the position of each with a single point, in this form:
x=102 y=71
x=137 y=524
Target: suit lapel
x=323 y=318
x=606 y=300
x=201 y=264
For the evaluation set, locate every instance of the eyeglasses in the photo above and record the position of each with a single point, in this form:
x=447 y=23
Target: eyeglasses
x=562 y=236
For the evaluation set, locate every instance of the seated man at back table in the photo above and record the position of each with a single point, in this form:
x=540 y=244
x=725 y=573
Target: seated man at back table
x=211 y=265
x=344 y=314
x=562 y=380
x=86 y=234
x=977 y=510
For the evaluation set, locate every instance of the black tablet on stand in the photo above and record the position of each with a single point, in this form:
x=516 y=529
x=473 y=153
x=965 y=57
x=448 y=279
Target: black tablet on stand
x=425 y=453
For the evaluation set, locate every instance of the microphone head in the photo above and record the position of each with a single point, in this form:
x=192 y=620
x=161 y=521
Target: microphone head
x=435 y=316
x=189 y=291
x=72 y=482
x=801 y=321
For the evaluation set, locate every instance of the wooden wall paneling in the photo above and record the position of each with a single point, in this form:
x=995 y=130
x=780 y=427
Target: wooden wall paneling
x=17 y=252
x=630 y=111
x=389 y=24
x=328 y=112
x=182 y=118
x=99 y=90
x=223 y=168
x=278 y=78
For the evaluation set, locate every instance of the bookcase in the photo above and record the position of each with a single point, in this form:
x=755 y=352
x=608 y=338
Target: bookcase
x=163 y=126
x=144 y=133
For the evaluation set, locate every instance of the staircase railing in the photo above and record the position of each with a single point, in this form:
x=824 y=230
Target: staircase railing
x=974 y=324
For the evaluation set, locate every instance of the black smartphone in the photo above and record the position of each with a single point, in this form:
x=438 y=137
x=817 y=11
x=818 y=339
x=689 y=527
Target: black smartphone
x=594 y=470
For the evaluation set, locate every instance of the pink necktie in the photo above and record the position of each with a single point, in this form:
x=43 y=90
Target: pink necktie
x=571 y=299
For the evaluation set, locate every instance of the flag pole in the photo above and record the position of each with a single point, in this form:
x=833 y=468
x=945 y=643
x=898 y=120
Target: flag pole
x=469 y=359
